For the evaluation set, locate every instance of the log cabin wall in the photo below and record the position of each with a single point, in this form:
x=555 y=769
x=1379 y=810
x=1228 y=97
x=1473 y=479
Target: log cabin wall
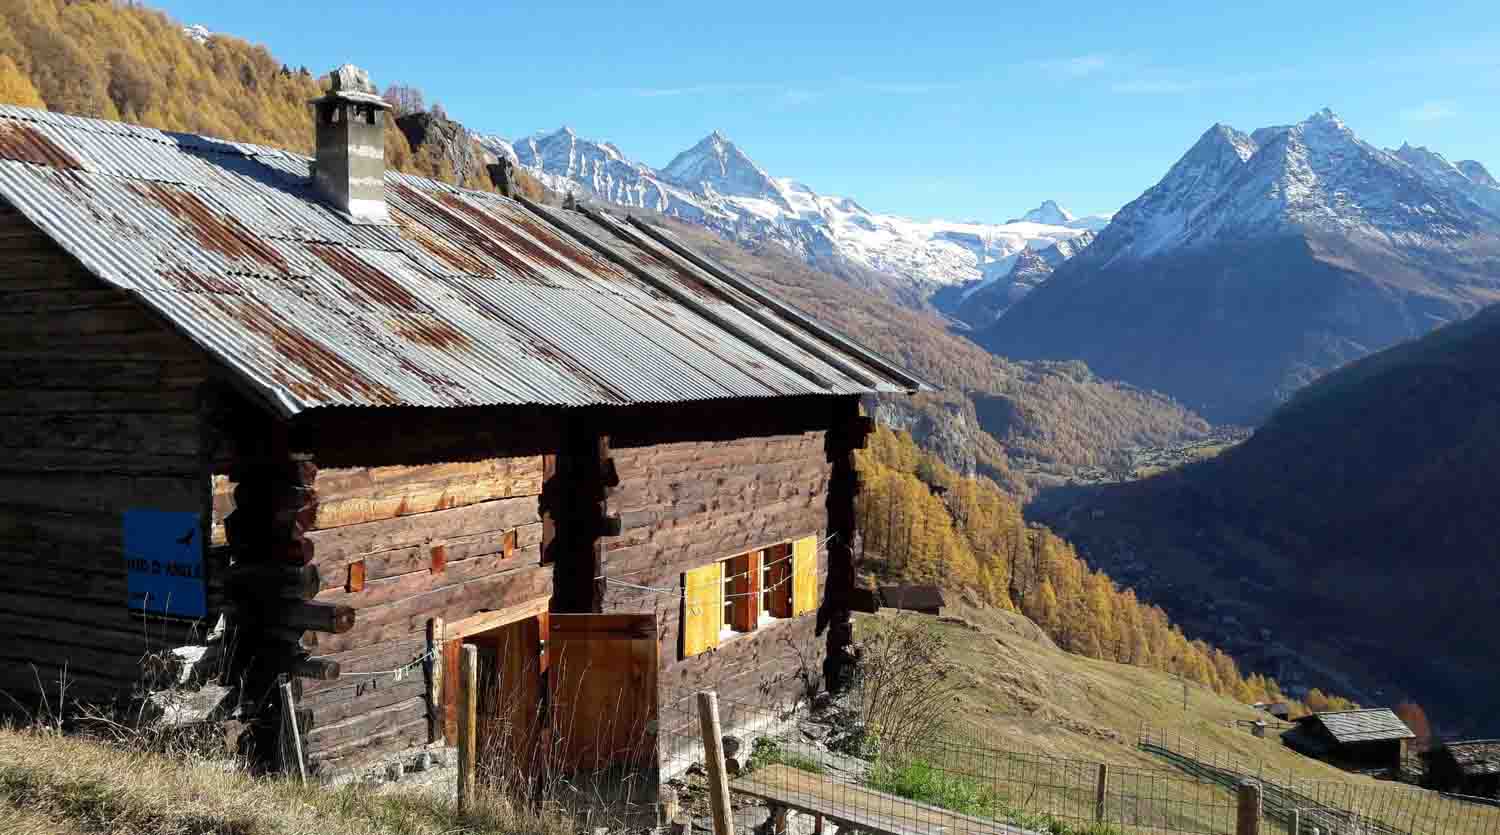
x=99 y=415
x=713 y=481
x=409 y=515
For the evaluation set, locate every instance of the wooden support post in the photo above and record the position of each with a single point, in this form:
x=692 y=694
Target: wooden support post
x=291 y=737
x=1099 y=788
x=713 y=755
x=779 y=816
x=1296 y=828
x=435 y=679
x=468 y=705
x=1248 y=821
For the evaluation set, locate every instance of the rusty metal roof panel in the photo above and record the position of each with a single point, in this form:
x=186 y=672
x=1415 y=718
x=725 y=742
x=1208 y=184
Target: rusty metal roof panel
x=724 y=301
x=466 y=298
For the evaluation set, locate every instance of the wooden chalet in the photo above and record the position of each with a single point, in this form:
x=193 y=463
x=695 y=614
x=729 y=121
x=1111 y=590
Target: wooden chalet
x=1373 y=739
x=1470 y=767
x=366 y=417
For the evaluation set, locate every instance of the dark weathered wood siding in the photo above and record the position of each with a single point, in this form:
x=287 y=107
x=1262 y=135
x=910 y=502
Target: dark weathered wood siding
x=710 y=482
x=98 y=415
x=425 y=504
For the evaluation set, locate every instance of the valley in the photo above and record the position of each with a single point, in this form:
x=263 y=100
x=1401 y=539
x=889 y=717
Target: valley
x=1261 y=397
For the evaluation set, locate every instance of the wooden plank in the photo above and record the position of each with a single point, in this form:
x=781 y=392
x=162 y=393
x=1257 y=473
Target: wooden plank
x=101 y=492
x=603 y=671
x=702 y=609
x=356 y=580
x=435 y=629
x=854 y=806
x=713 y=756
x=339 y=546
x=485 y=621
x=391 y=589
x=468 y=703
x=357 y=495
x=804 y=575
x=408 y=617
x=419 y=558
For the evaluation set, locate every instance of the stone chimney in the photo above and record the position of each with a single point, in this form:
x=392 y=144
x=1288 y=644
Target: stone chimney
x=349 y=170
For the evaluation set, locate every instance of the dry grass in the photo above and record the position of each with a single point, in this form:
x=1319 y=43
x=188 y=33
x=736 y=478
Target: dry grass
x=50 y=783
x=1021 y=693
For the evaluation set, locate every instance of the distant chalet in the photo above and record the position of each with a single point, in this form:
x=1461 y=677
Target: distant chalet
x=1373 y=739
x=366 y=418
x=1470 y=767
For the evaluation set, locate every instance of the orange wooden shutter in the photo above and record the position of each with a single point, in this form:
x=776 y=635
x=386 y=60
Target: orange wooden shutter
x=779 y=580
x=804 y=575
x=702 y=608
x=746 y=591
x=602 y=671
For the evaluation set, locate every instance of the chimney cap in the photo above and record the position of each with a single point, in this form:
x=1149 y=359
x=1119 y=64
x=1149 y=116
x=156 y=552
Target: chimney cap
x=352 y=84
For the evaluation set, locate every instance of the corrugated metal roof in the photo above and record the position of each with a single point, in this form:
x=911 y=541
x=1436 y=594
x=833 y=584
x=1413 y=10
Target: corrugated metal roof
x=467 y=299
x=1363 y=725
x=1475 y=756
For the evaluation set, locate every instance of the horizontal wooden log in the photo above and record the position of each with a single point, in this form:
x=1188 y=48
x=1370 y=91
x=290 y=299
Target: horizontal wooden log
x=45 y=459
x=315 y=616
x=321 y=669
x=100 y=493
x=112 y=379
x=418 y=558
x=353 y=753
x=275 y=580
x=80 y=400
x=364 y=695
x=367 y=494
x=486 y=621
x=355 y=665
x=391 y=589
x=331 y=734
x=336 y=547
x=407 y=618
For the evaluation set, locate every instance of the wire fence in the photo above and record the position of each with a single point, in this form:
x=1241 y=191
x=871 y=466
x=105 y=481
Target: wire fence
x=826 y=764
x=1356 y=806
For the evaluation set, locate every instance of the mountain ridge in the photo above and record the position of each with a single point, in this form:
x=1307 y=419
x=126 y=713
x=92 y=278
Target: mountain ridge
x=717 y=185
x=1260 y=261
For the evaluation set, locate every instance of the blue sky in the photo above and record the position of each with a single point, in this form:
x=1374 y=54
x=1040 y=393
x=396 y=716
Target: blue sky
x=955 y=109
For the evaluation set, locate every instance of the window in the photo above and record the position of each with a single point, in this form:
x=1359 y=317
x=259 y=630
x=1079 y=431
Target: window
x=743 y=592
x=776 y=581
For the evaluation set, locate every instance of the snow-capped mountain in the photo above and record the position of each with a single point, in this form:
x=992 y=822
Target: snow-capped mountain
x=1051 y=214
x=986 y=302
x=714 y=183
x=1262 y=260
x=1313 y=176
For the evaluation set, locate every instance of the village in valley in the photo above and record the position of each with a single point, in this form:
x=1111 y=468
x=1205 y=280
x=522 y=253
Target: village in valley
x=366 y=473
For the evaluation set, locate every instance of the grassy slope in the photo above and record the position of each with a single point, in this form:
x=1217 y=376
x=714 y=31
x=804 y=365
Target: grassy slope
x=1023 y=694
x=54 y=785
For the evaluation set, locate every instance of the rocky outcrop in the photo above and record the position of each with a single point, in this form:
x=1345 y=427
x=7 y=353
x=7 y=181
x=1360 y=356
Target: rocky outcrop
x=444 y=142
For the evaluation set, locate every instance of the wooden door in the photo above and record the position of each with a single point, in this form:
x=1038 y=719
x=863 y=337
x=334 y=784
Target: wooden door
x=602 y=672
x=510 y=692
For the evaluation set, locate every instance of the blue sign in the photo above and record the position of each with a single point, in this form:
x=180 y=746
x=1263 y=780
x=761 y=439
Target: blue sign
x=164 y=563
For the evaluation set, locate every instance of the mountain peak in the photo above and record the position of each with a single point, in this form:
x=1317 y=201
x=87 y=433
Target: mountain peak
x=1049 y=213
x=717 y=163
x=1476 y=173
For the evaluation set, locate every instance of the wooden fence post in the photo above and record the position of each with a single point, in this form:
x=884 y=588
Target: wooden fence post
x=291 y=736
x=1099 y=792
x=713 y=755
x=435 y=682
x=468 y=702
x=1248 y=822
